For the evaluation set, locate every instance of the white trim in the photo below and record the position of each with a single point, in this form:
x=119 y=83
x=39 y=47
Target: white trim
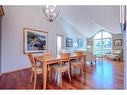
x=125 y=55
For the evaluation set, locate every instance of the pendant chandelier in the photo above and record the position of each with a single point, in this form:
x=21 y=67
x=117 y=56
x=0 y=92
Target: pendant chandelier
x=51 y=12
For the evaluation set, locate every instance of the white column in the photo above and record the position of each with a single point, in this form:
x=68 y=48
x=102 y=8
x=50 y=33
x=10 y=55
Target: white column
x=125 y=55
x=0 y=46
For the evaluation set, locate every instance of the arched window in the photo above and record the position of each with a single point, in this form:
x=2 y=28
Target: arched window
x=102 y=43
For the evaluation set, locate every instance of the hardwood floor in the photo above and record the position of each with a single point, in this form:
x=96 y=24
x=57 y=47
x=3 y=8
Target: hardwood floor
x=103 y=75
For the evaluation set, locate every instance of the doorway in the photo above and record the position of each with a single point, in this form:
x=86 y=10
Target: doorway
x=59 y=43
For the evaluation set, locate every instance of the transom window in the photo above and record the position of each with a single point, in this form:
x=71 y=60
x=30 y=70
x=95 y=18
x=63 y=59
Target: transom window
x=102 y=43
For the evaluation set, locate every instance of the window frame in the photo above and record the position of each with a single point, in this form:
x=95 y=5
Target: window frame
x=102 y=40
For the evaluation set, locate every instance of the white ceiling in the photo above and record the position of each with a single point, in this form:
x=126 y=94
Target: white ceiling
x=90 y=19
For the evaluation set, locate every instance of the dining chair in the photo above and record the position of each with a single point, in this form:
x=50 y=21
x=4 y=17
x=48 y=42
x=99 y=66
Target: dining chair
x=63 y=66
x=78 y=62
x=35 y=69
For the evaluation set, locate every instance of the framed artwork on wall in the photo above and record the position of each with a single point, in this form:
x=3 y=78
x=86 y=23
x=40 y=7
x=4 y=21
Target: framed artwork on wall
x=35 y=40
x=69 y=42
x=118 y=42
x=80 y=43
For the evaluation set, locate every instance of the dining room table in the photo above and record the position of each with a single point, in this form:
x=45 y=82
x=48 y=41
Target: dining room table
x=54 y=60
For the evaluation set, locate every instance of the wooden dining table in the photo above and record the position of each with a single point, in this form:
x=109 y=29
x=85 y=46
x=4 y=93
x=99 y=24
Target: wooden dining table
x=53 y=60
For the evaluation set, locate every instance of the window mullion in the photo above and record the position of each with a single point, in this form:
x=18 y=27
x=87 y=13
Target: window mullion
x=101 y=42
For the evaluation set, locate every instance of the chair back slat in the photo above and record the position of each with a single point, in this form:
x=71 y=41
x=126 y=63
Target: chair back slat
x=32 y=61
x=79 y=54
x=65 y=57
x=46 y=55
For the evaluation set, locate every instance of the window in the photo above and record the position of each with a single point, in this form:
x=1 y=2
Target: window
x=102 y=43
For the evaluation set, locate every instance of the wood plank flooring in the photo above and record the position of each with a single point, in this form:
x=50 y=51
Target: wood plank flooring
x=103 y=75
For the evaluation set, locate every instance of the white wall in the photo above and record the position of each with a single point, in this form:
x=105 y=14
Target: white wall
x=72 y=32
x=18 y=17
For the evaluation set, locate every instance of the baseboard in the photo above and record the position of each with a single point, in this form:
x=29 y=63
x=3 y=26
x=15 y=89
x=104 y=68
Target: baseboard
x=15 y=71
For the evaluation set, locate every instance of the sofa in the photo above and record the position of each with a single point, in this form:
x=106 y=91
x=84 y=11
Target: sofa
x=116 y=55
x=90 y=57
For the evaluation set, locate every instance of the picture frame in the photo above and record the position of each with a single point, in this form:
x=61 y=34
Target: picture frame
x=118 y=42
x=69 y=42
x=80 y=43
x=35 y=41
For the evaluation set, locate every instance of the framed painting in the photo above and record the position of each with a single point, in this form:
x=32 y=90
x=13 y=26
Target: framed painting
x=80 y=43
x=69 y=42
x=118 y=42
x=35 y=40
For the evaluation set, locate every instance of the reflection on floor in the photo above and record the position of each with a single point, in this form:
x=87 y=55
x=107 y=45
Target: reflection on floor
x=102 y=75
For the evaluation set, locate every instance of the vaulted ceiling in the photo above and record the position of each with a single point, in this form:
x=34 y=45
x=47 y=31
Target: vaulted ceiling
x=90 y=19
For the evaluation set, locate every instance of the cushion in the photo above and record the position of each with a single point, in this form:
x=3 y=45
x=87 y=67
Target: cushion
x=57 y=66
x=116 y=52
x=39 y=70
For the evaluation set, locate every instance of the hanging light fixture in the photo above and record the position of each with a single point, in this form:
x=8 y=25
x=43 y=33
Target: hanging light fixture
x=51 y=12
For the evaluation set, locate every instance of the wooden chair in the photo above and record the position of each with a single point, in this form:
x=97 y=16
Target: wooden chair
x=63 y=66
x=47 y=54
x=35 y=69
x=78 y=62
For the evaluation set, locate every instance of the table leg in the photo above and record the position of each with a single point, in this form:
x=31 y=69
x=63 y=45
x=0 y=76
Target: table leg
x=44 y=74
x=84 y=59
x=70 y=68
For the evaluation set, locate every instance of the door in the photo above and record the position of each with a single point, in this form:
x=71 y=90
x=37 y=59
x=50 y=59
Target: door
x=59 y=43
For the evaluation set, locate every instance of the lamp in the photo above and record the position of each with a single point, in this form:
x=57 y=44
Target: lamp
x=51 y=12
x=89 y=46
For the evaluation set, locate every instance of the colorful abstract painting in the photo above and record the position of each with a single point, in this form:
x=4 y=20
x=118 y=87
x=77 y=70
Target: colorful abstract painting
x=35 y=40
